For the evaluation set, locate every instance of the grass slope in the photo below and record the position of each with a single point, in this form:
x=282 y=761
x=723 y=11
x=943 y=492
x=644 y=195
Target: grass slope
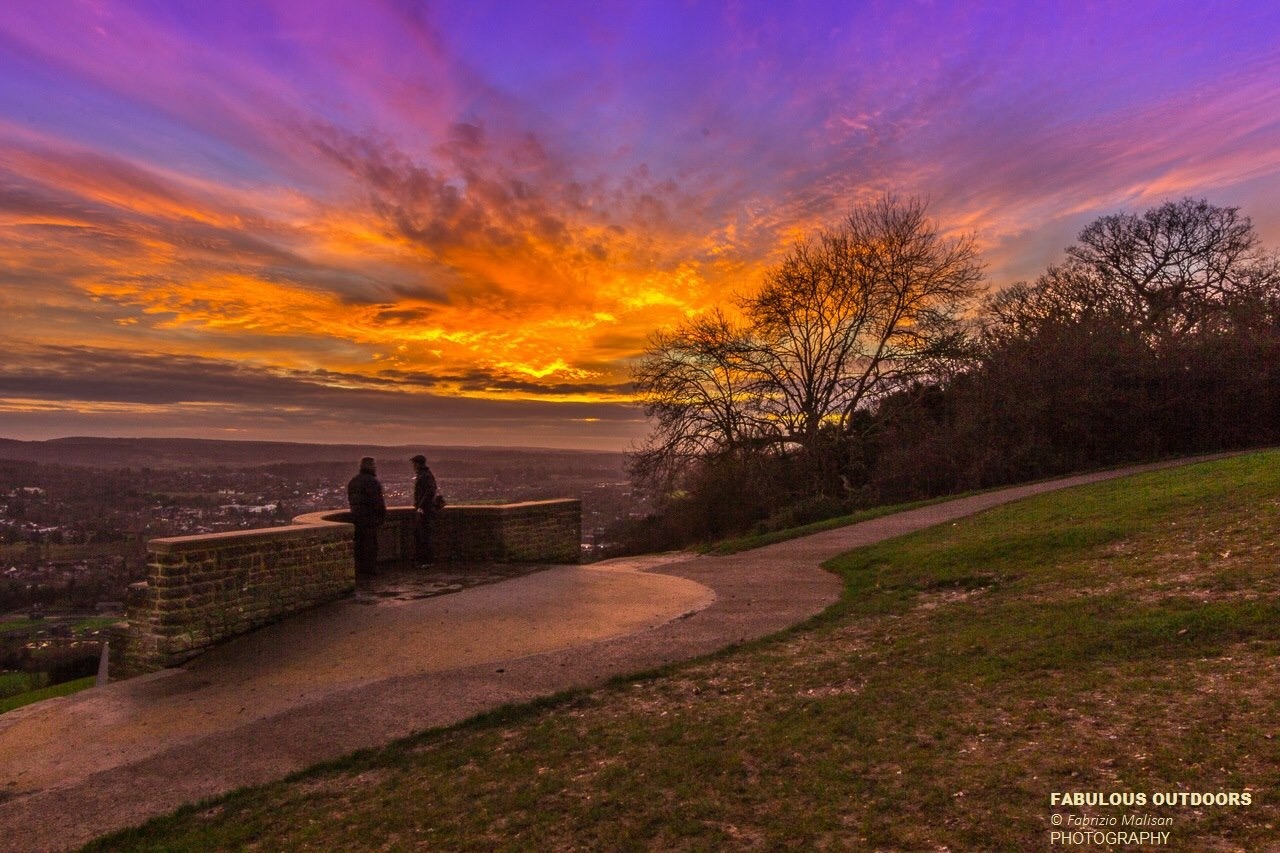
x=66 y=688
x=1120 y=637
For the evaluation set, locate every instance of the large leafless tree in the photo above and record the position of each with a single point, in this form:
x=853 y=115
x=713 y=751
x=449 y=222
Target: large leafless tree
x=857 y=311
x=698 y=386
x=848 y=316
x=1174 y=270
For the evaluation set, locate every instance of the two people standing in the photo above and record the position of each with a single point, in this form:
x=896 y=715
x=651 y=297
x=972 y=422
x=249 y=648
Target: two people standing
x=369 y=511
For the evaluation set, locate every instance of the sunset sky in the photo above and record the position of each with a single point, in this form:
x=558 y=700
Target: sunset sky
x=392 y=221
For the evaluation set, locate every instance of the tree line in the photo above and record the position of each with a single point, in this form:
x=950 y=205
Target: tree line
x=871 y=366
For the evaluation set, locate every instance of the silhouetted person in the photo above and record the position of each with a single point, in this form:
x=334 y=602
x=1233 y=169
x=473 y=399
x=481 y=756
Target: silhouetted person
x=368 y=511
x=424 y=504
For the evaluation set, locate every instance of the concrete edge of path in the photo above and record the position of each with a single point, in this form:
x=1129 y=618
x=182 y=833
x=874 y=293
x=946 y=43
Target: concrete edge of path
x=757 y=593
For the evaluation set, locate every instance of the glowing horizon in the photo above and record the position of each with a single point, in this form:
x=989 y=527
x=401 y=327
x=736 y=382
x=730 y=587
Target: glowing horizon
x=457 y=223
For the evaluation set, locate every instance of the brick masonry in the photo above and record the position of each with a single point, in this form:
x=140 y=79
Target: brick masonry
x=202 y=590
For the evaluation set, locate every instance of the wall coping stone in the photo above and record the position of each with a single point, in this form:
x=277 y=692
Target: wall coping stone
x=341 y=516
x=307 y=524
x=299 y=528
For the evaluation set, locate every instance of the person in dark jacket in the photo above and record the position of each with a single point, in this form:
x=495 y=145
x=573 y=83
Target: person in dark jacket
x=424 y=504
x=368 y=511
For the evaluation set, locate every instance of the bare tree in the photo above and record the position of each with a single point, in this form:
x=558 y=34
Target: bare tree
x=848 y=317
x=1175 y=270
x=1065 y=294
x=1173 y=263
x=857 y=312
x=698 y=384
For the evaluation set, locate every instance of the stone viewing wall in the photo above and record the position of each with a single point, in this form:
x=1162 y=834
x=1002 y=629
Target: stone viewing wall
x=534 y=532
x=201 y=590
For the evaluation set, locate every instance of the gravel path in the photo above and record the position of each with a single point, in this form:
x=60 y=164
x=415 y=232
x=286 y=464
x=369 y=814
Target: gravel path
x=348 y=675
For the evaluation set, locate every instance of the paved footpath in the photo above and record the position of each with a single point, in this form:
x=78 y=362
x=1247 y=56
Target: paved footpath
x=355 y=674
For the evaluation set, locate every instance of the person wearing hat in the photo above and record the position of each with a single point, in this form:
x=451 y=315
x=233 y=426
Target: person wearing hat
x=424 y=504
x=368 y=511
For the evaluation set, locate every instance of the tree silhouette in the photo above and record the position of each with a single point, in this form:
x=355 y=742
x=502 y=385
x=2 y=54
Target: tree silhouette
x=857 y=313
x=849 y=316
x=1175 y=270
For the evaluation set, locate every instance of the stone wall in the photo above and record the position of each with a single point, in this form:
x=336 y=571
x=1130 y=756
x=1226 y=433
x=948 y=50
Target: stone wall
x=531 y=532
x=201 y=590
x=534 y=532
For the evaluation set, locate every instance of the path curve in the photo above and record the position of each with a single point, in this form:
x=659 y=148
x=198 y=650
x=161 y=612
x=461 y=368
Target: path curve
x=328 y=683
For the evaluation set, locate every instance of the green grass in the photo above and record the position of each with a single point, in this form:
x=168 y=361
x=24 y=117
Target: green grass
x=21 y=623
x=1118 y=637
x=13 y=683
x=80 y=626
x=95 y=623
x=759 y=540
x=64 y=689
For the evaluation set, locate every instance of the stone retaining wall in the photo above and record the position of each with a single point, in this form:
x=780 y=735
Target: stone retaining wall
x=201 y=590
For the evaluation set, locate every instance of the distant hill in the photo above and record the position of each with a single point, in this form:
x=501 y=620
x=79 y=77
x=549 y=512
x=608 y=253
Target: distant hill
x=200 y=452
